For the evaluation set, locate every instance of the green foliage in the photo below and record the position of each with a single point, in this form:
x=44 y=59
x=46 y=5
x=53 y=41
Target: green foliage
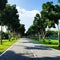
x=38 y=27
x=22 y=29
x=54 y=43
x=37 y=22
x=32 y=30
x=4 y=35
x=2 y=7
x=2 y=4
x=9 y=17
x=51 y=12
x=51 y=33
x=48 y=12
x=49 y=16
x=59 y=1
x=12 y=20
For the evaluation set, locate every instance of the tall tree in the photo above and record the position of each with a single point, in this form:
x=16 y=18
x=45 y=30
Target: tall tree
x=22 y=29
x=53 y=14
x=11 y=18
x=2 y=6
x=41 y=23
x=32 y=31
x=37 y=23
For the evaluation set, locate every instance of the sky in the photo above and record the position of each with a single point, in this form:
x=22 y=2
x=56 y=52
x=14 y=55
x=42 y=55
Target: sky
x=27 y=9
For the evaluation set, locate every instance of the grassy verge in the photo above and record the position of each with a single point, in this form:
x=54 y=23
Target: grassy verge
x=6 y=44
x=53 y=43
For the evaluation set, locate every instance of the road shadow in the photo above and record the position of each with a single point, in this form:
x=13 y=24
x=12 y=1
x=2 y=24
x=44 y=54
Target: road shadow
x=30 y=41
x=35 y=46
x=10 y=55
x=41 y=47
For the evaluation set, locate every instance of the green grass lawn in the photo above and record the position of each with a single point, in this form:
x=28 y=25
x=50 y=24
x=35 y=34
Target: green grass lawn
x=54 y=43
x=6 y=44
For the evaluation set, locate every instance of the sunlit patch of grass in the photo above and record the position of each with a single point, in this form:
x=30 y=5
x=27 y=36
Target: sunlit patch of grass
x=53 y=43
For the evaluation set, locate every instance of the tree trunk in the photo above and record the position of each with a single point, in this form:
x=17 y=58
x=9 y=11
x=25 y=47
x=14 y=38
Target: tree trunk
x=39 y=36
x=9 y=34
x=58 y=36
x=14 y=34
x=43 y=35
x=1 y=35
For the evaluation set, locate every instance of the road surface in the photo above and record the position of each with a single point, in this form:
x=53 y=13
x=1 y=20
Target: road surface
x=27 y=49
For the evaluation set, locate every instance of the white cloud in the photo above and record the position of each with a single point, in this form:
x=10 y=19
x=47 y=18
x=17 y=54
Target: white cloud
x=54 y=29
x=26 y=16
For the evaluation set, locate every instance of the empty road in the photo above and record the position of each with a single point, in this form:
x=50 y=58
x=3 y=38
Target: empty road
x=27 y=49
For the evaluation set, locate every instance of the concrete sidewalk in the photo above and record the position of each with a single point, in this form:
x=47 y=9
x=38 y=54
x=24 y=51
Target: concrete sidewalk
x=26 y=49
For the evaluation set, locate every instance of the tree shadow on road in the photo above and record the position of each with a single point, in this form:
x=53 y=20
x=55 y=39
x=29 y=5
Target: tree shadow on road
x=41 y=47
x=10 y=55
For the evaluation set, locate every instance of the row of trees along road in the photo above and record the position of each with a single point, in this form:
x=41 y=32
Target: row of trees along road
x=49 y=16
x=9 y=17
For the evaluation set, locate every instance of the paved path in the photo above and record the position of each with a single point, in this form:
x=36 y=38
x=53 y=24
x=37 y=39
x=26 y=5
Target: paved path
x=27 y=49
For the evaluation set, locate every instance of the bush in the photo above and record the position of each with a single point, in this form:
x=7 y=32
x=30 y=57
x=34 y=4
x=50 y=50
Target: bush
x=52 y=33
x=4 y=35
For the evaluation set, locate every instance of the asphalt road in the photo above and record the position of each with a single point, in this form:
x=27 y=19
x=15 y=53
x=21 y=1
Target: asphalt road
x=27 y=49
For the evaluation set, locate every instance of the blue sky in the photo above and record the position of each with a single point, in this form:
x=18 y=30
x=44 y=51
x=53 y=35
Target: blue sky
x=30 y=4
x=28 y=8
